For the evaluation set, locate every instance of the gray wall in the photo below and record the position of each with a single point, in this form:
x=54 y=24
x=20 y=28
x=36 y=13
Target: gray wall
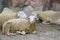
x=0 y=5
x=56 y=7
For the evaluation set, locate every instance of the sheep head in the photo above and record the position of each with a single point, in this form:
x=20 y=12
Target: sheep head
x=33 y=17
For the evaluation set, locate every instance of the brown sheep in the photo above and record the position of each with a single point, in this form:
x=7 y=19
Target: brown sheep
x=21 y=25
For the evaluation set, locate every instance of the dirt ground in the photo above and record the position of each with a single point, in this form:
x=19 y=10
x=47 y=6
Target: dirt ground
x=44 y=32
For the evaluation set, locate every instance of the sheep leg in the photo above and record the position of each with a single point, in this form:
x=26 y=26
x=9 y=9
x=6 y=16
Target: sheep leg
x=34 y=32
x=45 y=22
x=11 y=34
x=8 y=33
x=18 y=32
x=48 y=21
x=9 y=29
x=23 y=32
x=32 y=28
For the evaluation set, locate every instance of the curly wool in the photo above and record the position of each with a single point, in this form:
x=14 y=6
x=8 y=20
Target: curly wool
x=49 y=16
x=15 y=25
x=46 y=16
x=6 y=17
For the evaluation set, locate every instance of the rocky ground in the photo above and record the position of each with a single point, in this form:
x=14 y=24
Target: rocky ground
x=44 y=32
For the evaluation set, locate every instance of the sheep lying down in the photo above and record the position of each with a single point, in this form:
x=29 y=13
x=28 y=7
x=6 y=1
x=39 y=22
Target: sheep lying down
x=6 y=17
x=18 y=26
x=49 y=17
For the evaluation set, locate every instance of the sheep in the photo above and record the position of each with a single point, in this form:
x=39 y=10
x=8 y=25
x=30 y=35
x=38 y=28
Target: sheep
x=6 y=17
x=45 y=16
x=48 y=16
x=21 y=26
x=8 y=14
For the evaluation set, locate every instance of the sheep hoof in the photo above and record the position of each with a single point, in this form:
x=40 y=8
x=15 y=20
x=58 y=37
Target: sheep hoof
x=8 y=34
x=18 y=32
x=23 y=33
x=11 y=34
x=45 y=23
x=34 y=32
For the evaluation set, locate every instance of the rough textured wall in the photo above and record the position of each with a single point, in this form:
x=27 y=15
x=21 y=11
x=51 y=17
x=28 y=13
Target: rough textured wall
x=24 y=4
x=34 y=3
x=0 y=5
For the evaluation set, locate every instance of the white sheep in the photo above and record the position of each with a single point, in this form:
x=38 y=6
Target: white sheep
x=45 y=16
x=6 y=17
x=21 y=26
x=48 y=16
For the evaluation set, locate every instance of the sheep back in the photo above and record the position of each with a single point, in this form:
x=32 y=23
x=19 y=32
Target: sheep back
x=15 y=25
